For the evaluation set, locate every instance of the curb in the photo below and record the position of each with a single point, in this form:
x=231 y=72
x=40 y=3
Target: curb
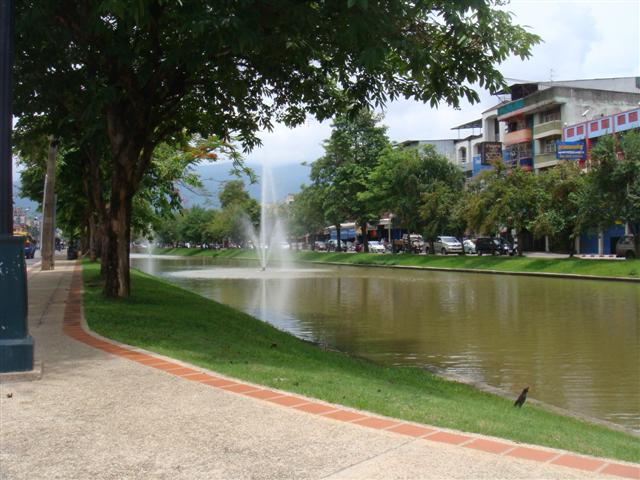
x=75 y=327
x=450 y=269
x=473 y=270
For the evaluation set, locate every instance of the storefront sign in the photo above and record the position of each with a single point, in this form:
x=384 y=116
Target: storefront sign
x=490 y=152
x=571 y=150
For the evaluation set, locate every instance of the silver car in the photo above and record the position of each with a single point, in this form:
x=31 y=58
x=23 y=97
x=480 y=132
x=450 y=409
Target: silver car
x=469 y=246
x=626 y=247
x=446 y=245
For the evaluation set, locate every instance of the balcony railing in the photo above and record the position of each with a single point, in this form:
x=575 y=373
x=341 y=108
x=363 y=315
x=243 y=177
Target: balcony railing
x=547 y=129
x=518 y=136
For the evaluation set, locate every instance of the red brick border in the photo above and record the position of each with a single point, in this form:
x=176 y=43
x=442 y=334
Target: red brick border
x=73 y=327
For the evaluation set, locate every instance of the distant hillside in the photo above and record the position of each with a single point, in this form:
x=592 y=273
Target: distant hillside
x=22 y=202
x=287 y=178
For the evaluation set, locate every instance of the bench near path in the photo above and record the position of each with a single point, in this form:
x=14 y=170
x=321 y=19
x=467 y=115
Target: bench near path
x=106 y=411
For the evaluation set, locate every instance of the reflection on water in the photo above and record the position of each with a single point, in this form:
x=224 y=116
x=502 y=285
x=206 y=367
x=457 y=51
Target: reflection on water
x=576 y=343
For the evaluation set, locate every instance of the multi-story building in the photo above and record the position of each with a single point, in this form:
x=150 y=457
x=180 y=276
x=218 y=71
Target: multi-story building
x=466 y=147
x=537 y=113
x=586 y=134
x=445 y=147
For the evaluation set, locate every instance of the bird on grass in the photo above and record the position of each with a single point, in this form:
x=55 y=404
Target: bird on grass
x=522 y=398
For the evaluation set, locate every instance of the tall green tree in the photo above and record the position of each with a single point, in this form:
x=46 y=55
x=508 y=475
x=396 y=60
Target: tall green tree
x=351 y=153
x=148 y=72
x=418 y=186
x=612 y=190
x=307 y=213
x=560 y=191
x=503 y=198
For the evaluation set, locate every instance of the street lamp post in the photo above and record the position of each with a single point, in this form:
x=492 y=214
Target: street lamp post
x=16 y=345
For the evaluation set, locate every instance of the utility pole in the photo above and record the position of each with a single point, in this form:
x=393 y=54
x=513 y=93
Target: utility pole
x=16 y=345
x=48 y=224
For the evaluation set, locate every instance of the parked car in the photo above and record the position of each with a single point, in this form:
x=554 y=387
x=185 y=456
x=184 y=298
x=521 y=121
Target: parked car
x=505 y=247
x=320 y=246
x=446 y=245
x=412 y=242
x=375 y=246
x=469 y=246
x=487 y=245
x=626 y=247
x=494 y=246
x=72 y=250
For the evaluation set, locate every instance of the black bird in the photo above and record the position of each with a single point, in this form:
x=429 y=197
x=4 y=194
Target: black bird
x=522 y=398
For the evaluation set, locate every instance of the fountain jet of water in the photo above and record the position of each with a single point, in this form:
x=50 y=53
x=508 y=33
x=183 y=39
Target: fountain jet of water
x=272 y=233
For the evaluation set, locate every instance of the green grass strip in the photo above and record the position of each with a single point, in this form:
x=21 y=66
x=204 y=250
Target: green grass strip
x=175 y=322
x=573 y=266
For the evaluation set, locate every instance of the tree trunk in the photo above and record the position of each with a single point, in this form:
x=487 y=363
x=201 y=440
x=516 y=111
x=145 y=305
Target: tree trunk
x=572 y=246
x=520 y=237
x=339 y=234
x=48 y=208
x=365 y=243
x=131 y=156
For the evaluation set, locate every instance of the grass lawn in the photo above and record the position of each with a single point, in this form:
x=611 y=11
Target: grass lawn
x=171 y=321
x=575 y=266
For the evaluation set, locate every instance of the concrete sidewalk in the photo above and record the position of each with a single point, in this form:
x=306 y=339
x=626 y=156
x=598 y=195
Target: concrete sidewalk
x=102 y=411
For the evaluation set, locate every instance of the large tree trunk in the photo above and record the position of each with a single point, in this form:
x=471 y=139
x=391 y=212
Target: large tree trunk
x=117 y=233
x=520 y=237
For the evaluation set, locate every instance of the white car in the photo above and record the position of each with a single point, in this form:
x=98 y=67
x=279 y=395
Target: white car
x=446 y=245
x=469 y=246
x=376 y=247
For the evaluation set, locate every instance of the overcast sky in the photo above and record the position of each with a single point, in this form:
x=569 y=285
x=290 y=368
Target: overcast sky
x=581 y=39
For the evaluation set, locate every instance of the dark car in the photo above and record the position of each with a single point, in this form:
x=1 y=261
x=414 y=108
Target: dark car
x=505 y=247
x=487 y=245
x=72 y=250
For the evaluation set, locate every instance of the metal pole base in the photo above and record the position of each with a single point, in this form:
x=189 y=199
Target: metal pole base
x=16 y=355
x=16 y=345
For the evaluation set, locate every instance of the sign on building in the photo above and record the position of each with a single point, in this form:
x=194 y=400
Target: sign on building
x=490 y=152
x=571 y=150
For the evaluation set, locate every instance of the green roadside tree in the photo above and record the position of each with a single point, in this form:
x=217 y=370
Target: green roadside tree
x=307 y=213
x=503 y=198
x=612 y=190
x=238 y=212
x=560 y=189
x=418 y=186
x=148 y=72
x=193 y=225
x=351 y=153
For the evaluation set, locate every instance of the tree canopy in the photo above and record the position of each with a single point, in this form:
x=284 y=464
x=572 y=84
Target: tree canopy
x=125 y=77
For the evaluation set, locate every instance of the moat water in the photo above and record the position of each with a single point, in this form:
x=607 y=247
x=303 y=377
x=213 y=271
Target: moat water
x=576 y=343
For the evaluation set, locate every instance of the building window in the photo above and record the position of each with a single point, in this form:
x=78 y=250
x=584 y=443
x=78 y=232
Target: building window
x=515 y=125
x=580 y=130
x=570 y=132
x=621 y=120
x=594 y=126
x=548 y=145
x=550 y=115
x=605 y=123
x=633 y=116
x=462 y=155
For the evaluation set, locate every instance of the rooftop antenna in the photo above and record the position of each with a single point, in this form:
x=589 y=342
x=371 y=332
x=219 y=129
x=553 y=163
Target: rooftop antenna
x=551 y=75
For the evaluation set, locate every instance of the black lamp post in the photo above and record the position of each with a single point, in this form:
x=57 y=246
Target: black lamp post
x=16 y=345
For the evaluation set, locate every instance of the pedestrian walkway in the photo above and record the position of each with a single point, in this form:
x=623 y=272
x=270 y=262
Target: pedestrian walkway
x=103 y=410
